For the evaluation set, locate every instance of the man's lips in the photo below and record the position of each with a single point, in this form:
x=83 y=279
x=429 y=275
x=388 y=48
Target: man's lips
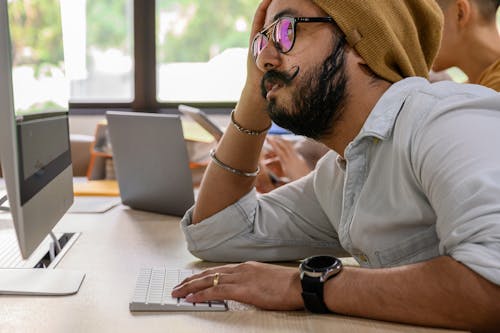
x=271 y=86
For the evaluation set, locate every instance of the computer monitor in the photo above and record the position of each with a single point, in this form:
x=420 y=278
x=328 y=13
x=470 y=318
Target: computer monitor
x=36 y=165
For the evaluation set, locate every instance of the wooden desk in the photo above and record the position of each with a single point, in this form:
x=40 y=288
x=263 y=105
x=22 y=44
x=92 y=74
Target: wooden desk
x=111 y=249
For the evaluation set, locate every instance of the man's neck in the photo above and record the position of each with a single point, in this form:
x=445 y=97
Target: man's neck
x=362 y=98
x=482 y=50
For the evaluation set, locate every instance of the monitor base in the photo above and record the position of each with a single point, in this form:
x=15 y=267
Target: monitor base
x=41 y=282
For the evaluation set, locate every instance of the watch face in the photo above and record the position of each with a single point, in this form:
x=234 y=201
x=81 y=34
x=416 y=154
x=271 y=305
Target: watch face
x=320 y=267
x=320 y=263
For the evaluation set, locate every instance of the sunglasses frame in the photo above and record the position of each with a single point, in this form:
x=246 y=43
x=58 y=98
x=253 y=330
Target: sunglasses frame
x=269 y=33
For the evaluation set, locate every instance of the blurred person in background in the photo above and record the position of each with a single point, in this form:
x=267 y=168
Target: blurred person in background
x=471 y=41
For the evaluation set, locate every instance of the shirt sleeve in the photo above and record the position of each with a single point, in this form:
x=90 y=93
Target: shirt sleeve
x=285 y=224
x=458 y=163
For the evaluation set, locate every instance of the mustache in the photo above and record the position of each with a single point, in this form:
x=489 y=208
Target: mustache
x=273 y=77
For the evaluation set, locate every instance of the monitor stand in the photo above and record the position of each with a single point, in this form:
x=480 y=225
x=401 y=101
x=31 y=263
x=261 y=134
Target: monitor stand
x=40 y=281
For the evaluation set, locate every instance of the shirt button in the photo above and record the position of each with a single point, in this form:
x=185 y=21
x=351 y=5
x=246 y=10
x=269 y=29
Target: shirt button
x=362 y=257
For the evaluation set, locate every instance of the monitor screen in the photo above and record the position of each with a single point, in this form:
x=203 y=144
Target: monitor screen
x=36 y=165
x=43 y=149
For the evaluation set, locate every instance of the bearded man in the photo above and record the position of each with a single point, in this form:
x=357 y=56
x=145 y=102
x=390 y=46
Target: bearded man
x=410 y=188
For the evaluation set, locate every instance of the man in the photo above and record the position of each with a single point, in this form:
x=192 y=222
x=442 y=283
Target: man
x=410 y=189
x=471 y=40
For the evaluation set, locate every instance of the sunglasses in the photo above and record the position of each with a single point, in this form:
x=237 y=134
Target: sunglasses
x=282 y=33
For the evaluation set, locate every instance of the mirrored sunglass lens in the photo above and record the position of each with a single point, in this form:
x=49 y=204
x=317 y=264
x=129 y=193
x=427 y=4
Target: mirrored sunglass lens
x=284 y=34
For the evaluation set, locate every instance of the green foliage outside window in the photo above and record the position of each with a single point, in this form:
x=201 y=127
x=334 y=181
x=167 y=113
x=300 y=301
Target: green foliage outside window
x=211 y=27
x=36 y=33
x=107 y=23
x=37 y=36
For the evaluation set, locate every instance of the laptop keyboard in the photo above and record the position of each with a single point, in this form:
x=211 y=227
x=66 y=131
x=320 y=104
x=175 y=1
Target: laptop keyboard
x=153 y=289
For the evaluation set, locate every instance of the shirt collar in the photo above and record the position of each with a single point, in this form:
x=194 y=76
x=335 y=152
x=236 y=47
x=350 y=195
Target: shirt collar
x=382 y=118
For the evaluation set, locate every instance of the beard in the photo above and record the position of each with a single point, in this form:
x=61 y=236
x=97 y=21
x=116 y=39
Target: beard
x=319 y=100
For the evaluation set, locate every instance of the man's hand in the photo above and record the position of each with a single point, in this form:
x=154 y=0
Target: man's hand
x=266 y=286
x=254 y=75
x=251 y=97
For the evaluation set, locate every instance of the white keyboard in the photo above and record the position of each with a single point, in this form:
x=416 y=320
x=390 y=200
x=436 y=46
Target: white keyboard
x=10 y=255
x=153 y=289
x=4 y=203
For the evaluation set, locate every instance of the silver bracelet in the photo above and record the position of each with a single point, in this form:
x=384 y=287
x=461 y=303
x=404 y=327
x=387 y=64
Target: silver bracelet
x=246 y=130
x=232 y=170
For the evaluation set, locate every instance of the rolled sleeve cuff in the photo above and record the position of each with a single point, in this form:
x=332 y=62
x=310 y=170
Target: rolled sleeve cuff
x=230 y=222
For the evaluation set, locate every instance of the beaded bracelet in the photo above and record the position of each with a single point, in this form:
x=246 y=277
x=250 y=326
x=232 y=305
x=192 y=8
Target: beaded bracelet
x=230 y=169
x=245 y=130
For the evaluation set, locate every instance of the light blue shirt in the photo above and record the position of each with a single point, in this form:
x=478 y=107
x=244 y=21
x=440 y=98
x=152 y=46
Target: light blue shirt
x=421 y=179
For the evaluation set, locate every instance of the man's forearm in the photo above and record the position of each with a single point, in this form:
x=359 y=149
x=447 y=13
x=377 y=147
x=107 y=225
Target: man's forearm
x=441 y=292
x=240 y=151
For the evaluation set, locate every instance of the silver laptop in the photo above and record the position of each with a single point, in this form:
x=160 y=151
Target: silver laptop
x=151 y=161
x=202 y=119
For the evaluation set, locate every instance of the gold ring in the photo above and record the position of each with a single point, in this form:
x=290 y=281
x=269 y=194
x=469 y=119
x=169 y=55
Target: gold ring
x=216 y=279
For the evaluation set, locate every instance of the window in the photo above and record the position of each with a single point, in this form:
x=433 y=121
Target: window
x=139 y=54
x=98 y=45
x=201 y=49
x=38 y=76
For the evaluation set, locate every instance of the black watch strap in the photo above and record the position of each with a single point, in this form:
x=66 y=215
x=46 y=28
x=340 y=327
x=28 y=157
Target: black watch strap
x=312 y=294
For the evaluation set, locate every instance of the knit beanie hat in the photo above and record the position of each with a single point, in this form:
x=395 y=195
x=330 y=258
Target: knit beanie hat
x=397 y=38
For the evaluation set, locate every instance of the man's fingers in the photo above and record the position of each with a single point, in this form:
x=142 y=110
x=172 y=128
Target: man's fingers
x=227 y=269
x=195 y=284
x=209 y=281
x=259 y=18
x=221 y=292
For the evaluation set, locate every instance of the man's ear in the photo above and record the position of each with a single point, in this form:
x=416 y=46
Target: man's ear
x=463 y=12
x=356 y=60
x=356 y=57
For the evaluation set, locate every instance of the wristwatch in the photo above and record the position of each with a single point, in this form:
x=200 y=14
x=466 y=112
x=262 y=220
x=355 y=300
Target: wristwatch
x=314 y=271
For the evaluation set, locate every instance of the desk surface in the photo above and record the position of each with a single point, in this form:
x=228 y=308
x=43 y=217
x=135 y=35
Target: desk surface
x=111 y=249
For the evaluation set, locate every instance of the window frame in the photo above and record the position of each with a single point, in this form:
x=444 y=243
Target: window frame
x=145 y=87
